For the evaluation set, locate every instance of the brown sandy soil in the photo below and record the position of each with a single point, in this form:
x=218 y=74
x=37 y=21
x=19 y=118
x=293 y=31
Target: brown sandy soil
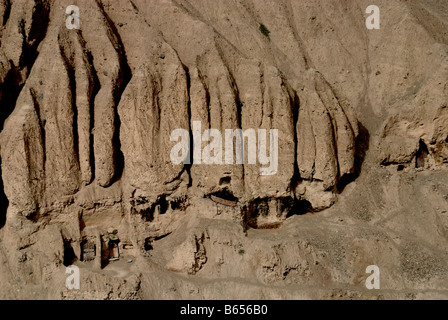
x=86 y=117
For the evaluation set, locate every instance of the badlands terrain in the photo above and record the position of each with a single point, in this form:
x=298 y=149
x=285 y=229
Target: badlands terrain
x=86 y=116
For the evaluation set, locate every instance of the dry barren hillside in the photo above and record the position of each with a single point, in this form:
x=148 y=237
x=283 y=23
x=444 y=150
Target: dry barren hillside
x=92 y=94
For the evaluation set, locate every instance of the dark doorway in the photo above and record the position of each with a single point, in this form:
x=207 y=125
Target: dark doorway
x=422 y=154
x=69 y=254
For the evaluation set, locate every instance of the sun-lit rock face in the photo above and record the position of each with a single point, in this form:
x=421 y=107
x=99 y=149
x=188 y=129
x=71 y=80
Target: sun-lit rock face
x=98 y=106
x=88 y=113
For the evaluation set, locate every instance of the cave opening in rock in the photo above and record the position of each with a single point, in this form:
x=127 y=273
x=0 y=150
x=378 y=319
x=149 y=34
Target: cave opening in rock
x=225 y=194
x=422 y=154
x=148 y=244
x=163 y=205
x=299 y=208
x=69 y=254
x=180 y=203
x=113 y=247
x=270 y=213
x=160 y=207
x=225 y=181
x=147 y=214
x=253 y=211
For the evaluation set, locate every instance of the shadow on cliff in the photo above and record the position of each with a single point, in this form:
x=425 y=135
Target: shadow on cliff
x=9 y=92
x=362 y=144
x=4 y=203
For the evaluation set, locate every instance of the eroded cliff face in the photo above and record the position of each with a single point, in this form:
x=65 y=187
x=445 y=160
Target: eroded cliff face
x=96 y=110
x=87 y=116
